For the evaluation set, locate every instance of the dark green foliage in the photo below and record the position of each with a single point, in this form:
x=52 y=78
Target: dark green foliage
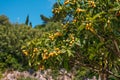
x=4 y=20
x=44 y=18
x=8 y=61
x=27 y=20
x=51 y=26
x=30 y=24
x=11 y=40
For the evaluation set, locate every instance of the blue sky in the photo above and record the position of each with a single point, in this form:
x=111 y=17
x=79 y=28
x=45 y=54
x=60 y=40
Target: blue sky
x=17 y=10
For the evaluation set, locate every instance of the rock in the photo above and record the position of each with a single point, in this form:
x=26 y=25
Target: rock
x=39 y=75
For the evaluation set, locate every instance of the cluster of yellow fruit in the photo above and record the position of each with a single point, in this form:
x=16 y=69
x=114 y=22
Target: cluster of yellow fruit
x=89 y=27
x=92 y=4
x=35 y=50
x=69 y=2
x=25 y=52
x=53 y=36
x=56 y=10
x=78 y=10
x=66 y=2
x=74 y=21
x=47 y=54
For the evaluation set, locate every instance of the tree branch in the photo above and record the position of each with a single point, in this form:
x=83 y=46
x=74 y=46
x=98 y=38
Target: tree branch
x=116 y=47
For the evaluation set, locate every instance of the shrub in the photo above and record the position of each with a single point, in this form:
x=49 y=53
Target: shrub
x=11 y=40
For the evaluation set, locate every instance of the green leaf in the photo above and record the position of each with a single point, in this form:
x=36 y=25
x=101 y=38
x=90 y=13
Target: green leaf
x=69 y=53
x=66 y=64
x=97 y=15
x=89 y=18
x=63 y=50
x=99 y=45
x=114 y=9
x=91 y=56
x=81 y=27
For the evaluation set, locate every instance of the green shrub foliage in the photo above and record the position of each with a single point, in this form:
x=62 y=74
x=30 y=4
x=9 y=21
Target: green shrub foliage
x=11 y=39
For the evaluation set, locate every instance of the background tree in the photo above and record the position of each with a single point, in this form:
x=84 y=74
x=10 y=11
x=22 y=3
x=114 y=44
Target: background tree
x=4 y=20
x=27 y=20
x=56 y=17
x=44 y=19
x=11 y=40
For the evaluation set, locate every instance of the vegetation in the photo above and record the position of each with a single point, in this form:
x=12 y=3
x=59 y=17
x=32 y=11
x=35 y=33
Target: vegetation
x=82 y=34
x=11 y=39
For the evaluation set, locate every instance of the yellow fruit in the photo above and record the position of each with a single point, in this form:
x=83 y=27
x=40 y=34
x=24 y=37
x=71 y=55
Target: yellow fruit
x=108 y=21
x=90 y=24
x=23 y=50
x=45 y=57
x=56 y=49
x=56 y=10
x=66 y=2
x=35 y=50
x=71 y=42
x=73 y=38
x=45 y=50
x=59 y=52
x=92 y=3
x=74 y=21
x=78 y=10
x=51 y=54
x=26 y=53
x=51 y=37
x=87 y=26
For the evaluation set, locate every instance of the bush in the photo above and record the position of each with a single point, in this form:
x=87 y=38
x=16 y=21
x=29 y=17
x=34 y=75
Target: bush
x=11 y=40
